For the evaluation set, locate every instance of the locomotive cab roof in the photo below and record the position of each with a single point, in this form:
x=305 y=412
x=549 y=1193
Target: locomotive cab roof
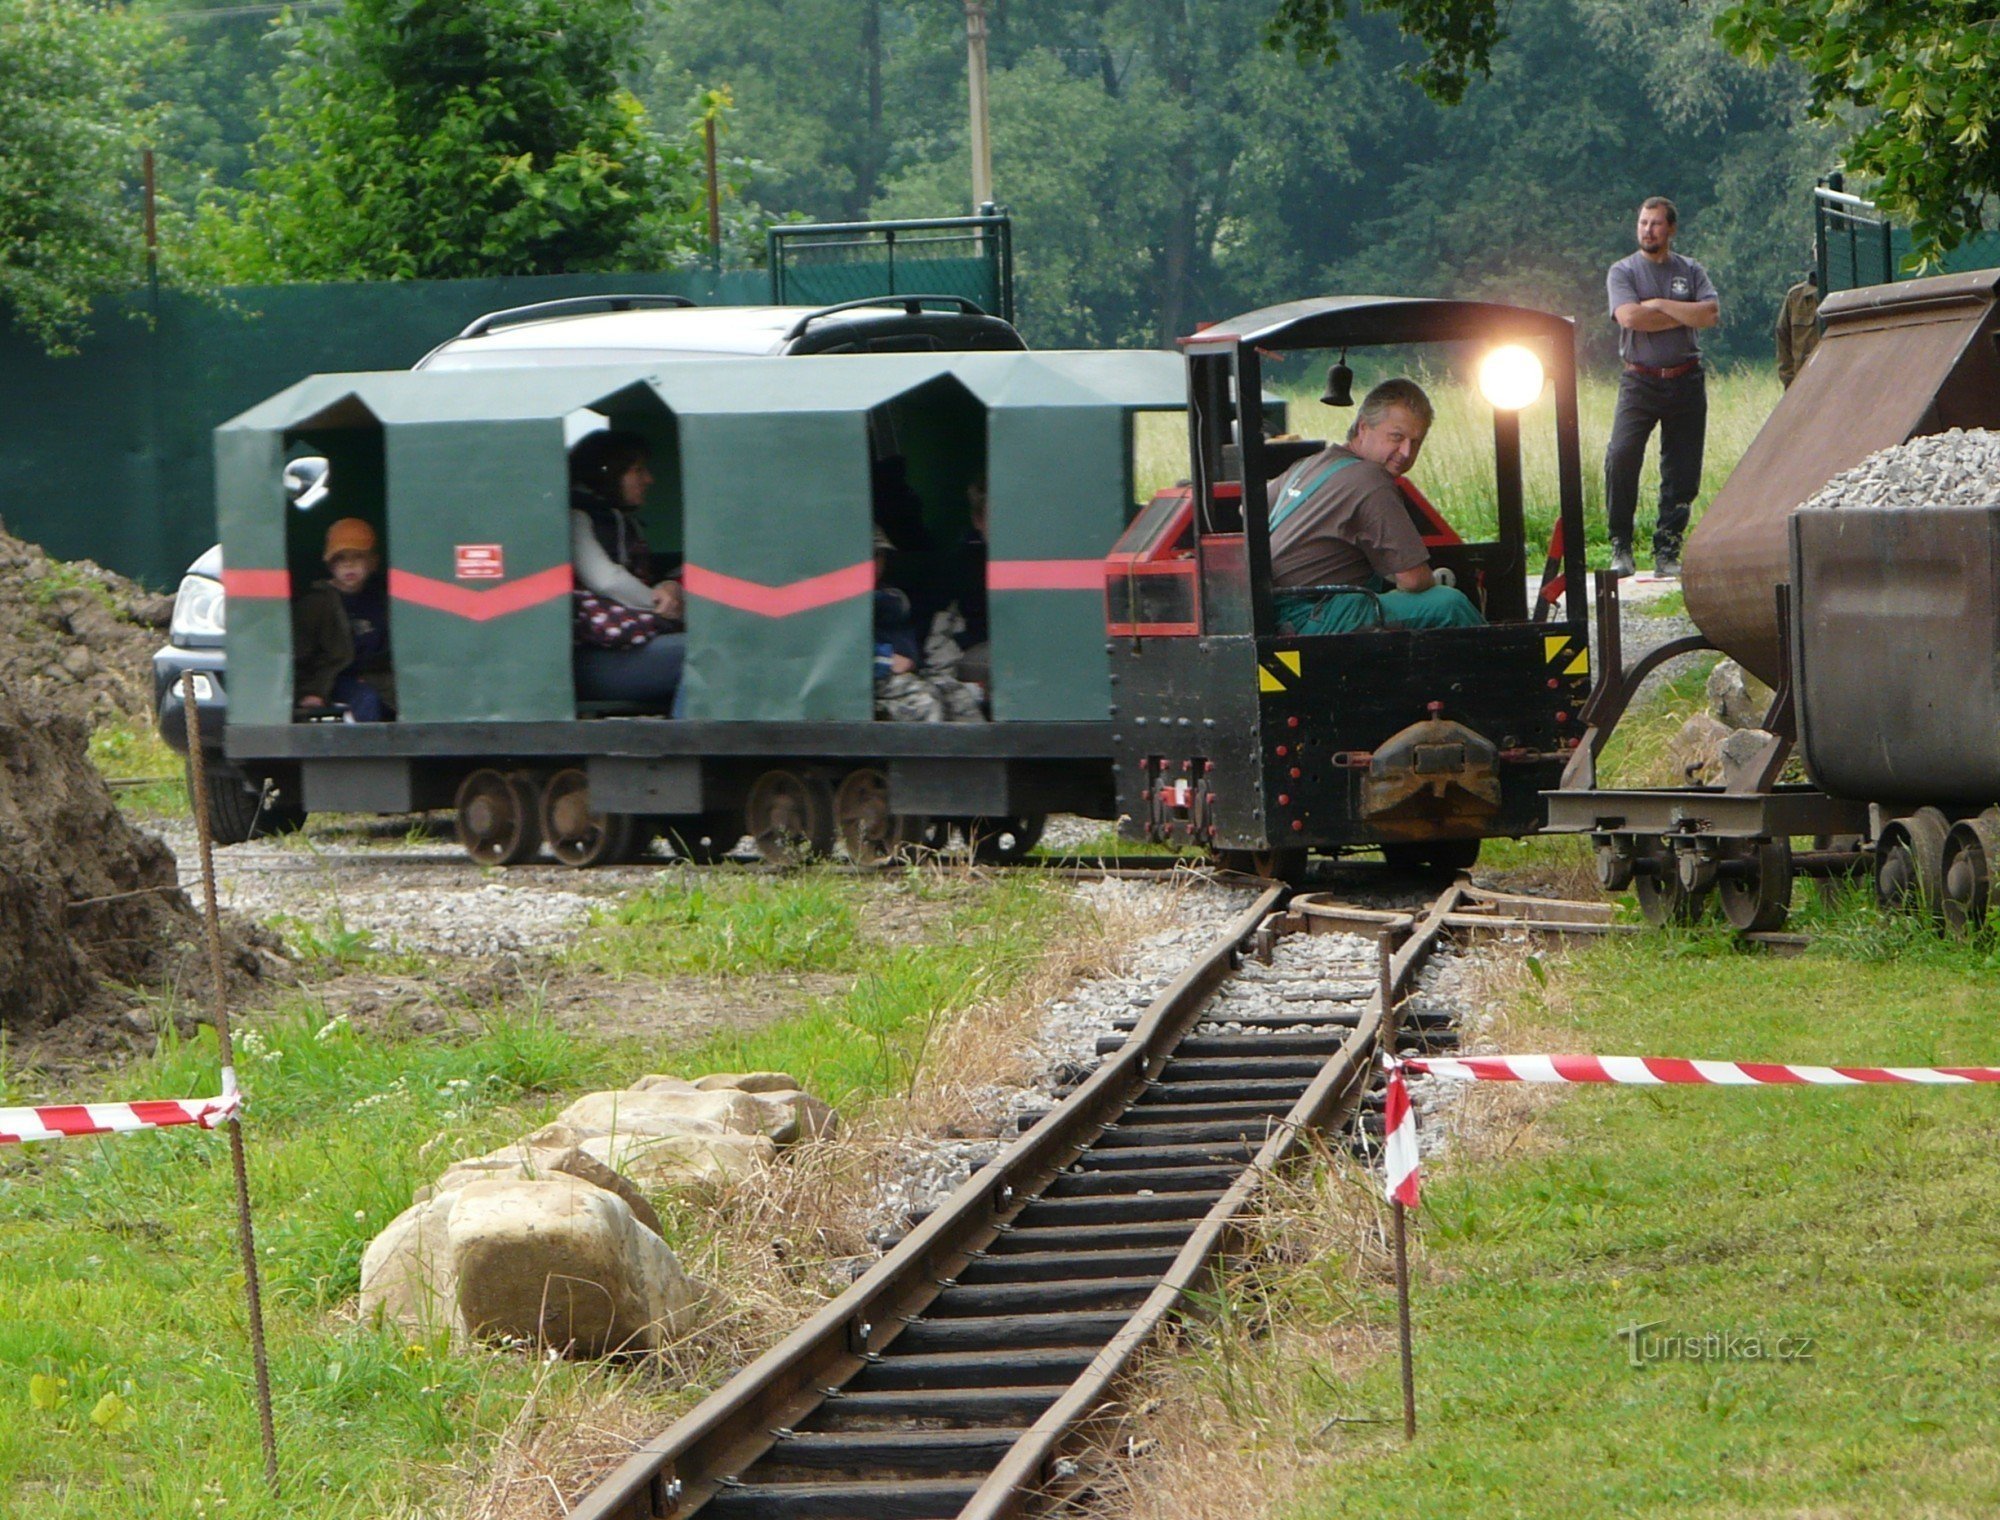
x=1364 y=321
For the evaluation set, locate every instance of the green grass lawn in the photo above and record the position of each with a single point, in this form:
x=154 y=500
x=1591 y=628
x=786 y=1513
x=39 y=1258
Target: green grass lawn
x=124 y=1361
x=1859 y=1220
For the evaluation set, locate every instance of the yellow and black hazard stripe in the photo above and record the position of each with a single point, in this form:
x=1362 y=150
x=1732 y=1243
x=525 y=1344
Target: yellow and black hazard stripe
x=1566 y=655
x=1278 y=670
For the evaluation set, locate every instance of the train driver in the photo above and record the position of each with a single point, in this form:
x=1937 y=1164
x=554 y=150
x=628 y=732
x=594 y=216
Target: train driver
x=1338 y=520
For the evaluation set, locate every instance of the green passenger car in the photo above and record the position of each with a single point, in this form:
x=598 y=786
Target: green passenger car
x=767 y=477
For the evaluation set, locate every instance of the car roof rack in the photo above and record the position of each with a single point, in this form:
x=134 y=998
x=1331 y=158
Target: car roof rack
x=913 y=305
x=566 y=306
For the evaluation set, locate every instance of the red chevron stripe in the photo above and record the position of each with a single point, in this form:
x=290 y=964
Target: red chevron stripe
x=255 y=585
x=781 y=601
x=1045 y=575
x=481 y=606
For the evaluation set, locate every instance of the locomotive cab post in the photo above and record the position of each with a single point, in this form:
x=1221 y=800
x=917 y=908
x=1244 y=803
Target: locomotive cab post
x=1234 y=733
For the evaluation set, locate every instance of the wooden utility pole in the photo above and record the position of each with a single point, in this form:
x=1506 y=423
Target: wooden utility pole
x=975 y=71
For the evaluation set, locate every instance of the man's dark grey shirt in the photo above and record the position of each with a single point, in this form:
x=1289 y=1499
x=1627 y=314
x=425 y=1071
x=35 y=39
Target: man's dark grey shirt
x=1637 y=278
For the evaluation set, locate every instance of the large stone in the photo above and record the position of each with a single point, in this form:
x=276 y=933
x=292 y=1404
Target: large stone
x=794 y=1116
x=521 y=1162
x=1736 y=697
x=1695 y=753
x=406 y=1272
x=665 y=1112
x=565 y=1265
x=660 y=1162
x=789 y=1114
x=745 y=1081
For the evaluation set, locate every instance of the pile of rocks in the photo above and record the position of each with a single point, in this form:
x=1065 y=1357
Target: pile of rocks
x=553 y=1241
x=1724 y=731
x=1959 y=468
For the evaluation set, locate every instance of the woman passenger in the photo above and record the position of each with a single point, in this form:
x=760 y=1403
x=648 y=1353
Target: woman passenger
x=630 y=643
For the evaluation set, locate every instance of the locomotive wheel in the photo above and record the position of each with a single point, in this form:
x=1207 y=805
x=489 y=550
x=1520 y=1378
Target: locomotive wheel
x=1909 y=864
x=790 y=815
x=1288 y=866
x=1759 y=903
x=1967 y=881
x=1005 y=841
x=704 y=838
x=873 y=835
x=578 y=836
x=499 y=822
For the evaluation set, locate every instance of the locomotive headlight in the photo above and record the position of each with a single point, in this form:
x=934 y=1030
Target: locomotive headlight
x=1510 y=378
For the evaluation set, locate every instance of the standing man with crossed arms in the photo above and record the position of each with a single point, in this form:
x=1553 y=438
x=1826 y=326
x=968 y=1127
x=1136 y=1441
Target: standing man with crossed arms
x=1659 y=301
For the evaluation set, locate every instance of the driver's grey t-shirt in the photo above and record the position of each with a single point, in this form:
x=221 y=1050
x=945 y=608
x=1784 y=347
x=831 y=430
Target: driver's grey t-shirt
x=1637 y=278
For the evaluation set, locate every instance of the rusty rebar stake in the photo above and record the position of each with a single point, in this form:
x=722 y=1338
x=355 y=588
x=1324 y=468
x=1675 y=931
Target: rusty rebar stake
x=1403 y=1326
x=246 y=1234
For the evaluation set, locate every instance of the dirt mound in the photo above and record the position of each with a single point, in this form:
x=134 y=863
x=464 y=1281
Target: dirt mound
x=76 y=638
x=85 y=898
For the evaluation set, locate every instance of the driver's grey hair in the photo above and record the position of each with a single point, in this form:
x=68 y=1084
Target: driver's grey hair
x=1399 y=392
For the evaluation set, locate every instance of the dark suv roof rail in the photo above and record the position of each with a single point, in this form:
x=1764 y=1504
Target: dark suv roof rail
x=910 y=304
x=514 y=315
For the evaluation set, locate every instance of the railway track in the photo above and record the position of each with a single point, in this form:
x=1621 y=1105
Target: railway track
x=951 y=1378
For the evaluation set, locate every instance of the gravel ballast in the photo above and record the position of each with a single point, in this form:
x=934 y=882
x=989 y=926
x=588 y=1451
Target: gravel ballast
x=1959 y=468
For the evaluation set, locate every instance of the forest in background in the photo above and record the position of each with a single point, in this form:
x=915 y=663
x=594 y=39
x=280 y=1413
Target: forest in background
x=1164 y=166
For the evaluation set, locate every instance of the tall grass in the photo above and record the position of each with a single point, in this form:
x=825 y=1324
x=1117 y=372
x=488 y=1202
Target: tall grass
x=1456 y=470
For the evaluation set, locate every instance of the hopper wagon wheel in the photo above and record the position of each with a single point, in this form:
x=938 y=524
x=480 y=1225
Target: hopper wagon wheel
x=1909 y=864
x=872 y=834
x=702 y=839
x=499 y=822
x=1288 y=866
x=1005 y=841
x=1970 y=848
x=790 y=816
x=1757 y=898
x=1666 y=899
x=578 y=836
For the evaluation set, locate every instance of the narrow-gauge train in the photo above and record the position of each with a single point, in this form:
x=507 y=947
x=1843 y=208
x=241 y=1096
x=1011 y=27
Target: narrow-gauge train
x=1421 y=744
x=1879 y=630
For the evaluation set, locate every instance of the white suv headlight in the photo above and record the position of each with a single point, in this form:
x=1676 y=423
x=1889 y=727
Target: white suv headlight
x=198 y=610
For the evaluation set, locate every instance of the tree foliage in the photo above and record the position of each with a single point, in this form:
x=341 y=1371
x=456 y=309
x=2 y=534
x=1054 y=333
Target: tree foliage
x=71 y=134
x=455 y=138
x=1916 y=83
x=1924 y=79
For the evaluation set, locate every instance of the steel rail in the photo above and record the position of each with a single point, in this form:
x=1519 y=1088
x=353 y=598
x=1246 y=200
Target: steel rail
x=679 y=1471
x=1025 y=1472
x=733 y=1426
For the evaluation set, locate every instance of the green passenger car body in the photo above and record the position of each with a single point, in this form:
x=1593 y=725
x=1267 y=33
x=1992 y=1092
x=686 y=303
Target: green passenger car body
x=765 y=486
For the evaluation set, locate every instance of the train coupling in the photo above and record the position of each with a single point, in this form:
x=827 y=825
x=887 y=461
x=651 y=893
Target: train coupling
x=1435 y=770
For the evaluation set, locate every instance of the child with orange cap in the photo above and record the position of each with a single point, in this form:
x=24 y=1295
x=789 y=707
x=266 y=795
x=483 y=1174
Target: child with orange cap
x=340 y=630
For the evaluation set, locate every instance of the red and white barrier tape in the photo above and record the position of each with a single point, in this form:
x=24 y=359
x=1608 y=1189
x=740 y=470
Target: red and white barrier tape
x=1401 y=1167
x=54 y=1122
x=1653 y=1071
x=1399 y=1130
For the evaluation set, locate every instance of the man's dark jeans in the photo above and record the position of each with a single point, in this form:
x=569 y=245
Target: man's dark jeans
x=1679 y=407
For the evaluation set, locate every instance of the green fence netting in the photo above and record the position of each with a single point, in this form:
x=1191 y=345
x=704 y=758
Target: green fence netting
x=107 y=454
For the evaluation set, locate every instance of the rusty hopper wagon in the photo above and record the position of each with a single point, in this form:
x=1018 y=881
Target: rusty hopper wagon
x=1879 y=630
x=765 y=494
x=1235 y=733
